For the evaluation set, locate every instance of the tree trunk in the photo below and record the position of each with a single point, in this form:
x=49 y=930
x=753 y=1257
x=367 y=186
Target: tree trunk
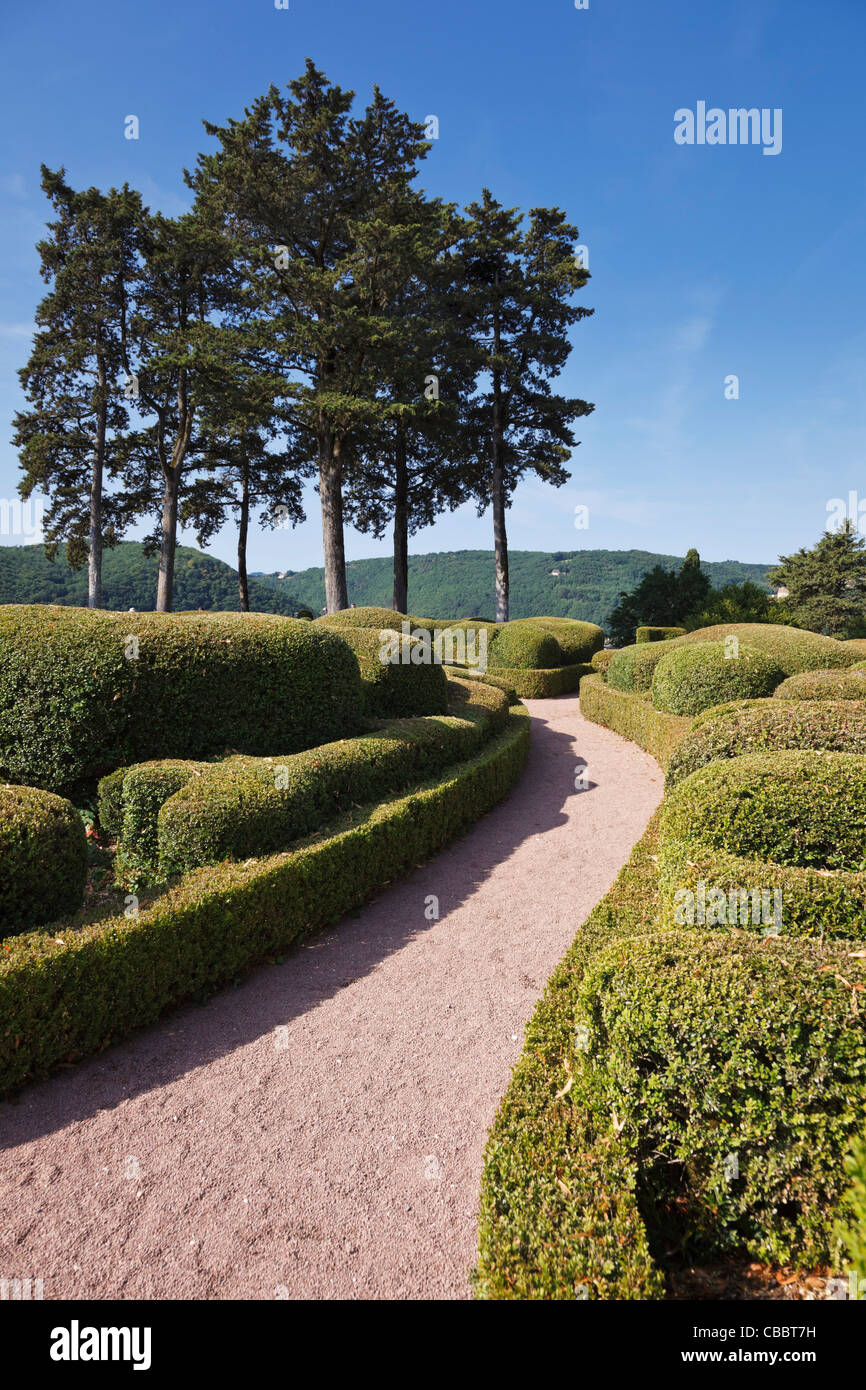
x=500 y=539
x=168 y=543
x=243 y=584
x=94 y=557
x=400 y=600
x=331 y=497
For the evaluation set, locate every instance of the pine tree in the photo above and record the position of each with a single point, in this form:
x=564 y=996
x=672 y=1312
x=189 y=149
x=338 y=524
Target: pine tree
x=518 y=309
x=303 y=184
x=827 y=584
x=73 y=379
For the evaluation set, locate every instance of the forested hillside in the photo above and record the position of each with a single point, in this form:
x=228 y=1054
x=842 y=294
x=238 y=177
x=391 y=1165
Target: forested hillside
x=461 y=583
x=129 y=580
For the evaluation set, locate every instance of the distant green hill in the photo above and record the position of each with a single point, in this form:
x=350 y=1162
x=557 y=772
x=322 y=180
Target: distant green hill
x=460 y=583
x=129 y=581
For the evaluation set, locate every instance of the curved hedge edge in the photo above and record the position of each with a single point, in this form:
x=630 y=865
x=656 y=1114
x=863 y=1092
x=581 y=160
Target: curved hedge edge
x=468 y=673
x=559 y=1217
x=119 y=975
x=544 y=685
x=633 y=717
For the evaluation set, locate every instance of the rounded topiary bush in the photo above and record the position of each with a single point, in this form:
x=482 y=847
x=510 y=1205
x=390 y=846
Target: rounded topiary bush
x=761 y=725
x=43 y=858
x=804 y=808
x=631 y=669
x=522 y=647
x=412 y=684
x=824 y=685
x=691 y=679
x=364 y=617
x=791 y=648
x=602 y=659
x=578 y=641
x=83 y=692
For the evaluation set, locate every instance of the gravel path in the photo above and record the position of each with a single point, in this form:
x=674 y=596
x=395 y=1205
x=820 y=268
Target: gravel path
x=318 y=1131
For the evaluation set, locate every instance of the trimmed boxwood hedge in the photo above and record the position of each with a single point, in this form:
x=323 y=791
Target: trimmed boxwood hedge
x=632 y=668
x=542 y=685
x=77 y=702
x=523 y=647
x=824 y=685
x=790 y=821
x=652 y=1048
x=792 y=648
x=394 y=689
x=602 y=659
x=364 y=617
x=117 y=975
x=43 y=858
x=658 y=634
x=578 y=641
x=499 y=681
x=178 y=818
x=752 y=726
x=693 y=679
x=632 y=716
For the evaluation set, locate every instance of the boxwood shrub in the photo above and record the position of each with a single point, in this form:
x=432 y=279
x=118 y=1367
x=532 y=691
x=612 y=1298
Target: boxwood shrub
x=602 y=659
x=121 y=974
x=578 y=641
x=658 y=634
x=178 y=817
x=521 y=646
x=395 y=689
x=365 y=616
x=543 y=685
x=753 y=726
x=824 y=685
x=83 y=692
x=632 y=668
x=43 y=858
x=792 y=648
x=633 y=717
x=691 y=679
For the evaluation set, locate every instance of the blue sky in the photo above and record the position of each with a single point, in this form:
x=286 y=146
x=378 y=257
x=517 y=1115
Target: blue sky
x=706 y=261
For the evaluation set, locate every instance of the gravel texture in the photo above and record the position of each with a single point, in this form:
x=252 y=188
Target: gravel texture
x=318 y=1131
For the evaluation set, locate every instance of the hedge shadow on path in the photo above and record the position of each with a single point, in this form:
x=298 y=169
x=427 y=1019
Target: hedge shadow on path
x=315 y=970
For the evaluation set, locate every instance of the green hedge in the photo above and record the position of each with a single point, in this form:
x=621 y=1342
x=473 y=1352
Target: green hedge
x=824 y=685
x=658 y=634
x=498 y=681
x=693 y=679
x=43 y=858
x=578 y=641
x=121 y=974
x=542 y=685
x=76 y=701
x=175 y=820
x=602 y=659
x=522 y=647
x=395 y=689
x=364 y=617
x=753 y=726
x=852 y=1224
x=736 y=1069
x=791 y=648
x=631 y=669
x=787 y=822
x=633 y=717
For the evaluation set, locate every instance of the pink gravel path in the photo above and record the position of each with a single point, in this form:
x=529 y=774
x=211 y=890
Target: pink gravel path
x=318 y=1131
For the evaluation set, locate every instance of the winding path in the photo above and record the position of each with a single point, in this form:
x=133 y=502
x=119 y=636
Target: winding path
x=318 y=1131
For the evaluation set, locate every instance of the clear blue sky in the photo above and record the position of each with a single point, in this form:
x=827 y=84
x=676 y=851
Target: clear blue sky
x=706 y=261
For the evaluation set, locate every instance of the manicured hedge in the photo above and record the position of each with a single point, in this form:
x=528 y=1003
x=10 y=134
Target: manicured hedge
x=523 y=647
x=118 y=975
x=78 y=698
x=176 y=820
x=602 y=659
x=692 y=679
x=633 y=717
x=43 y=858
x=824 y=685
x=578 y=641
x=736 y=1069
x=395 y=689
x=632 y=668
x=791 y=648
x=753 y=726
x=658 y=634
x=542 y=685
x=789 y=822
x=498 y=681
x=364 y=617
